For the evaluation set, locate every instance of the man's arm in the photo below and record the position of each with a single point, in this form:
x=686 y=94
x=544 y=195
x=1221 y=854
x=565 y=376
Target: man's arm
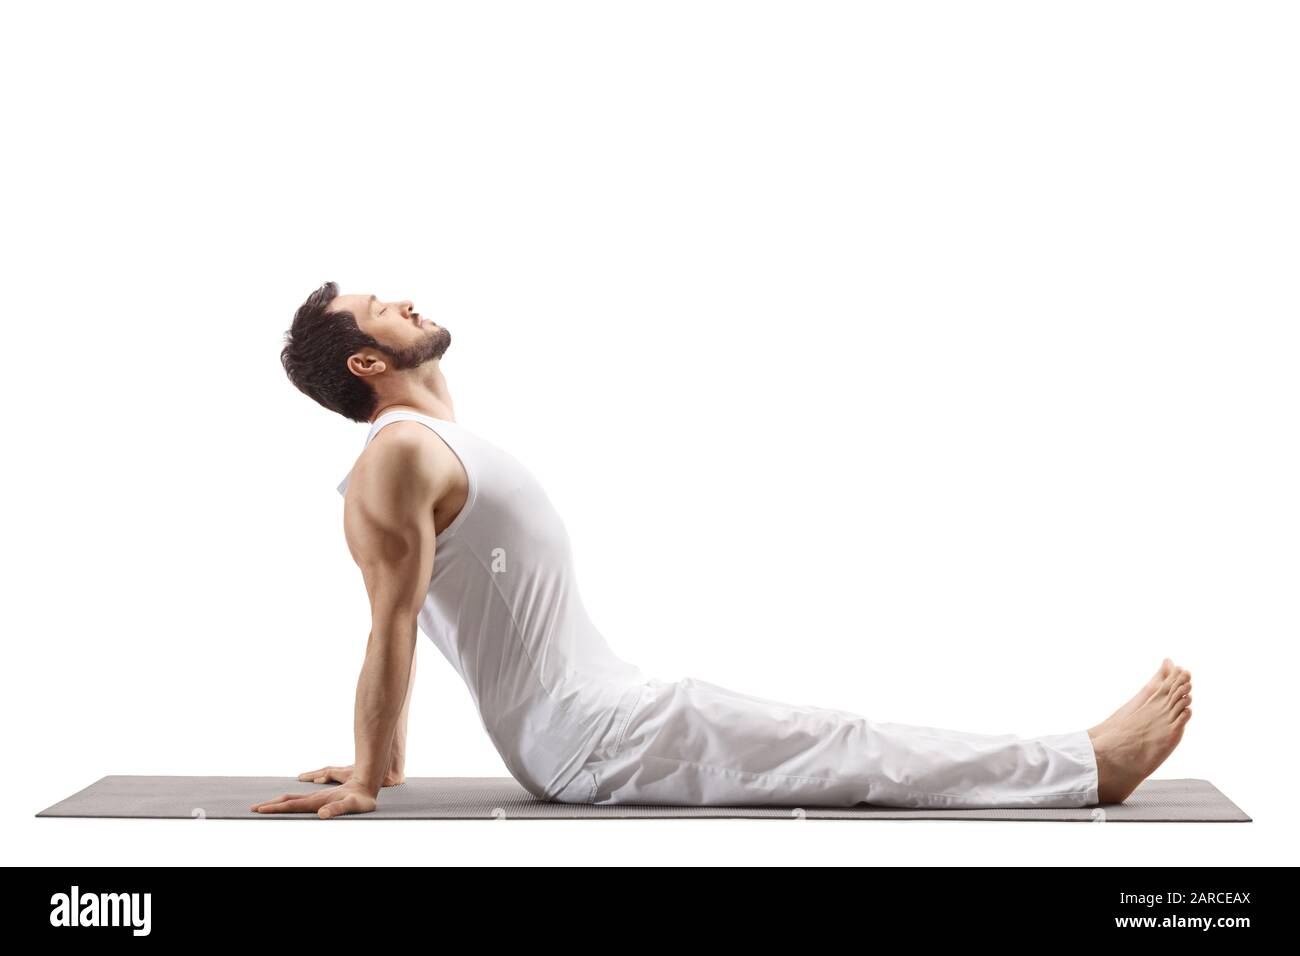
x=388 y=521
x=397 y=757
x=396 y=760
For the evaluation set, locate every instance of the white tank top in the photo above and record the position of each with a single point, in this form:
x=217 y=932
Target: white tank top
x=503 y=607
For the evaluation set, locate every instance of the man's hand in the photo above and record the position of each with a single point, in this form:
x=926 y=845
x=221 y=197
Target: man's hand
x=333 y=802
x=344 y=774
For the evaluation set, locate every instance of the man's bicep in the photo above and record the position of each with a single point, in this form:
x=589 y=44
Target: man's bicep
x=388 y=522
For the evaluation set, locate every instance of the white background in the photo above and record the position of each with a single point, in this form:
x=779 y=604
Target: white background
x=934 y=361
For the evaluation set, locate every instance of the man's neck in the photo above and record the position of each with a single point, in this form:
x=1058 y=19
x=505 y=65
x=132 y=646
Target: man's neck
x=427 y=394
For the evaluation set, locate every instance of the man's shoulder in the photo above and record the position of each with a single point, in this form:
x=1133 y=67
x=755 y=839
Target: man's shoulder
x=401 y=451
x=405 y=453
x=399 y=438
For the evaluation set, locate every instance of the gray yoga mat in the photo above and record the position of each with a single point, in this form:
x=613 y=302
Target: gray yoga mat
x=488 y=798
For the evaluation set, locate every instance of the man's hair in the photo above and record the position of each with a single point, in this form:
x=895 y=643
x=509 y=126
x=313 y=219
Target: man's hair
x=315 y=356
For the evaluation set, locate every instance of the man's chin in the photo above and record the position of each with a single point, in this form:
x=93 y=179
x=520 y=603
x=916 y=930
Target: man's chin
x=430 y=350
x=444 y=341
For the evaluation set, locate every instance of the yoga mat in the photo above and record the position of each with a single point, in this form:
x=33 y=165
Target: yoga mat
x=489 y=798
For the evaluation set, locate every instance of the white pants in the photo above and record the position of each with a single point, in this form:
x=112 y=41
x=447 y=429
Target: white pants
x=692 y=743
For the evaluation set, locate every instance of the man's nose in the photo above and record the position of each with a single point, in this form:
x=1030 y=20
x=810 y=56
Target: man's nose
x=407 y=307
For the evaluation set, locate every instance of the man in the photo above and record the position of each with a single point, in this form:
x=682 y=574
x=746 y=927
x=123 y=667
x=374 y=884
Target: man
x=454 y=537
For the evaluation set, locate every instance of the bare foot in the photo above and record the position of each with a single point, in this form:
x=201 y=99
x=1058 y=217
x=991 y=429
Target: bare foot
x=1131 y=748
x=1140 y=698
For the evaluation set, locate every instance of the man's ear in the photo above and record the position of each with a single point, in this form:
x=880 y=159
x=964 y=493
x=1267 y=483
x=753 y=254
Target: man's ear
x=366 y=364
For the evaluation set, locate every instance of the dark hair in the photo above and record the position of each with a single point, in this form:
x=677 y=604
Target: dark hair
x=315 y=356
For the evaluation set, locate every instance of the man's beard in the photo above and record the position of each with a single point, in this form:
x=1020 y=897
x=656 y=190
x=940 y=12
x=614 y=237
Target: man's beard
x=431 y=349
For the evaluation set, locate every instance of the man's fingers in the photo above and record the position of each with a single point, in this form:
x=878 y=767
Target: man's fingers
x=315 y=775
x=325 y=803
x=288 y=803
x=280 y=798
x=291 y=806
